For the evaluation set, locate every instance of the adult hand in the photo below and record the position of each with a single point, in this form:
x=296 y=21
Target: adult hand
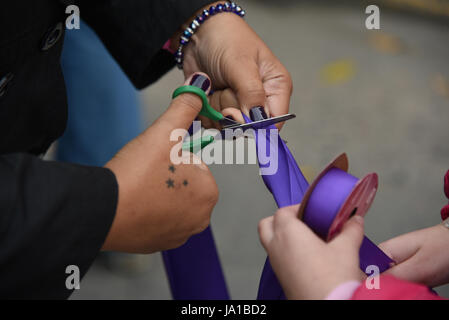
x=421 y=256
x=306 y=266
x=243 y=69
x=160 y=205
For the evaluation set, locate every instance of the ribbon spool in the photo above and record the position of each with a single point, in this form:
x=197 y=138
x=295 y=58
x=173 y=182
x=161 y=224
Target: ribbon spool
x=335 y=196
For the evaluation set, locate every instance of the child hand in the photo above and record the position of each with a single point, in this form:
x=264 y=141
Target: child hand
x=306 y=266
x=422 y=256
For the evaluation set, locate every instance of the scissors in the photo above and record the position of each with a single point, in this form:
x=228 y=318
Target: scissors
x=226 y=123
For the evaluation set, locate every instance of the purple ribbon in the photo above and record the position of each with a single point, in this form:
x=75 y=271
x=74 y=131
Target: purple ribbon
x=288 y=187
x=194 y=271
x=319 y=215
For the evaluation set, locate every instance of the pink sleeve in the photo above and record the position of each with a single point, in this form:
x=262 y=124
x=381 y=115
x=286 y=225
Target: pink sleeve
x=392 y=288
x=344 y=291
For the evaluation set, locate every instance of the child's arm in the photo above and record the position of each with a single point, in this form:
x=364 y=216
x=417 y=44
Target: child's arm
x=422 y=256
x=309 y=268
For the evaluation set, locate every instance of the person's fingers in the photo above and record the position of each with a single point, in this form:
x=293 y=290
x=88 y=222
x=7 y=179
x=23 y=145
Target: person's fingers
x=351 y=236
x=408 y=270
x=286 y=215
x=185 y=108
x=266 y=231
x=208 y=123
x=234 y=114
x=278 y=86
x=286 y=219
x=278 y=92
x=245 y=80
x=225 y=101
x=229 y=105
x=215 y=99
x=228 y=99
x=402 y=247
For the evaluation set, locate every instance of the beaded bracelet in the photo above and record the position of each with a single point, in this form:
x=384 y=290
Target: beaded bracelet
x=199 y=20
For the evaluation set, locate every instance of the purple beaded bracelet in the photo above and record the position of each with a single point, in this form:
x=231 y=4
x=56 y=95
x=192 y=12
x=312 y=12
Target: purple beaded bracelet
x=199 y=20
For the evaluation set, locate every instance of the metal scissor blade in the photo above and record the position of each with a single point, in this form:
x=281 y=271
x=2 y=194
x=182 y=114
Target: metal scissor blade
x=226 y=122
x=261 y=123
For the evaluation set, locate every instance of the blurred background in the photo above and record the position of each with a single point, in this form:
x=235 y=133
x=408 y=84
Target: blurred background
x=381 y=96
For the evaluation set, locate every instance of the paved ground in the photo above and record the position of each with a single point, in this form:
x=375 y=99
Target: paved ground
x=381 y=96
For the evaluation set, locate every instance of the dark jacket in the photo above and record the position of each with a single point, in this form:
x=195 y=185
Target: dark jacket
x=53 y=214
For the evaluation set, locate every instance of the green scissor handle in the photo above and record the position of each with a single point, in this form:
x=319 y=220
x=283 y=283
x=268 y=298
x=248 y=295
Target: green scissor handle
x=198 y=144
x=206 y=110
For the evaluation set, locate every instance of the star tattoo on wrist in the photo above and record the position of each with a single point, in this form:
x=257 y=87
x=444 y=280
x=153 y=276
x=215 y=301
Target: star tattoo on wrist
x=170 y=183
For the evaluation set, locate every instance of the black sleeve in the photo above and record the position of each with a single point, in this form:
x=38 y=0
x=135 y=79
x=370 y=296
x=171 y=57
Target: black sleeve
x=52 y=215
x=134 y=31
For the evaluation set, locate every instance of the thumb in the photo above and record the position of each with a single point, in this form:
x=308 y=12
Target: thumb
x=247 y=85
x=185 y=108
x=352 y=233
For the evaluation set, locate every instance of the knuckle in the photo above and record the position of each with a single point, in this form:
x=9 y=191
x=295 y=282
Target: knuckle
x=213 y=189
x=208 y=195
x=176 y=243
x=279 y=215
x=289 y=82
x=181 y=241
x=285 y=79
x=202 y=225
x=198 y=223
x=261 y=231
x=261 y=225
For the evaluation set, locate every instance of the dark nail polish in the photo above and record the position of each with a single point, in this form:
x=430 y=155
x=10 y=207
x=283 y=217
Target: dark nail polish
x=200 y=81
x=257 y=113
x=230 y=117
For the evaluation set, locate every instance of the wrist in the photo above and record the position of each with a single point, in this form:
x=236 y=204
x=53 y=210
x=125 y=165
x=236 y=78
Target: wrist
x=443 y=228
x=174 y=40
x=193 y=26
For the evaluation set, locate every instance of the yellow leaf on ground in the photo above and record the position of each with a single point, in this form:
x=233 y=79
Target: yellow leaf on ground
x=339 y=71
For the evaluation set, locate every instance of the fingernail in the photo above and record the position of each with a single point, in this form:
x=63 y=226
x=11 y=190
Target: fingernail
x=200 y=81
x=257 y=113
x=230 y=117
